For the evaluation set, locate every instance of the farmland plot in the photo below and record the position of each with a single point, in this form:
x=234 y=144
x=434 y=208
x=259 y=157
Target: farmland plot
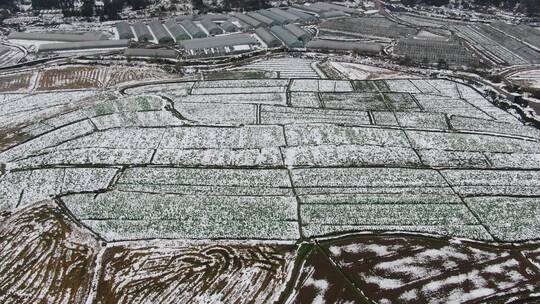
x=495 y=127
x=236 y=98
x=23 y=109
x=171 y=90
x=402 y=85
x=278 y=163
x=195 y=272
x=349 y=155
x=412 y=119
x=22 y=188
x=324 y=85
x=379 y=198
x=323 y=134
x=286 y=115
x=226 y=191
x=206 y=181
x=470 y=142
x=360 y=73
x=394 y=269
x=499 y=211
x=304 y=99
x=125 y=75
x=457 y=107
x=354 y=101
x=494 y=182
x=286 y=67
x=124 y=216
x=45 y=257
x=17 y=82
x=71 y=77
x=218 y=113
x=248 y=86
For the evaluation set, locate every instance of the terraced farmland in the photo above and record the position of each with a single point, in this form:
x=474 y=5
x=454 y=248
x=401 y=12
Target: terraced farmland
x=211 y=152
x=202 y=186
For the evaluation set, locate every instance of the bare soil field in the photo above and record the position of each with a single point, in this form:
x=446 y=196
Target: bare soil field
x=194 y=273
x=10 y=83
x=45 y=257
x=71 y=77
x=417 y=269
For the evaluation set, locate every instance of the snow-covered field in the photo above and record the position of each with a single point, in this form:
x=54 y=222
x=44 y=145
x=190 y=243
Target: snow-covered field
x=287 y=67
x=365 y=72
x=276 y=159
x=529 y=78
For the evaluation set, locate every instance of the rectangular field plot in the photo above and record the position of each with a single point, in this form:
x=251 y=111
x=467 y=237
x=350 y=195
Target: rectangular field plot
x=474 y=98
x=367 y=180
x=286 y=67
x=401 y=85
x=494 y=182
x=170 y=90
x=445 y=87
x=514 y=160
x=354 y=101
x=498 y=212
x=459 y=159
x=136 y=119
x=128 y=104
x=23 y=109
x=33 y=186
x=97 y=156
x=425 y=86
x=364 y=86
x=287 y=115
x=470 y=142
x=420 y=120
x=402 y=214
x=401 y=102
x=117 y=76
x=206 y=181
x=130 y=215
x=349 y=155
x=490 y=126
x=46 y=140
x=384 y=118
x=264 y=157
x=182 y=138
x=237 y=90
x=218 y=113
x=246 y=83
x=476 y=232
x=248 y=86
x=127 y=138
x=455 y=220
x=305 y=99
x=388 y=196
x=232 y=137
x=322 y=85
x=259 y=98
x=321 y=134
x=450 y=106
x=16 y=82
x=72 y=77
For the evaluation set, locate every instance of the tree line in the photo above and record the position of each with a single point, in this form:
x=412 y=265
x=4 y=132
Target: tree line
x=529 y=7
x=87 y=9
